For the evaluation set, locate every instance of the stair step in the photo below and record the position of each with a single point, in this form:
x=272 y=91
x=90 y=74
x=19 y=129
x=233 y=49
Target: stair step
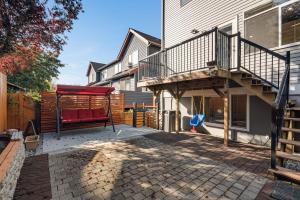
x=292 y=119
x=292 y=142
x=294 y=108
x=284 y=155
x=287 y=173
x=294 y=130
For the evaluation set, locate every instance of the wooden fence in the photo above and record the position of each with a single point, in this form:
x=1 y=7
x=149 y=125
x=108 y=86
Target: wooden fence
x=135 y=119
x=48 y=109
x=150 y=119
x=21 y=110
x=3 y=102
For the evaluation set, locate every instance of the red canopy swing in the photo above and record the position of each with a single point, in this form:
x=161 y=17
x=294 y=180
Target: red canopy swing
x=68 y=116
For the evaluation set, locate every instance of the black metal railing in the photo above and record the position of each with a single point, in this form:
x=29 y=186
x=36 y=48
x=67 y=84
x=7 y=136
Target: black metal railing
x=193 y=54
x=215 y=48
x=278 y=110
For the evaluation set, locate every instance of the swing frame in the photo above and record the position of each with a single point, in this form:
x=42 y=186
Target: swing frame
x=70 y=90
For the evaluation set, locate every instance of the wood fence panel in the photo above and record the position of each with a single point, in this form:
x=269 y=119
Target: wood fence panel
x=128 y=118
x=139 y=119
x=21 y=110
x=48 y=109
x=3 y=102
x=150 y=119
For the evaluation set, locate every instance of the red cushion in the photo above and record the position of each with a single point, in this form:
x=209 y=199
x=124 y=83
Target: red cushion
x=103 y=118
x=84 y=114
x=69 y=114
x=99 y=112
x=87 y=120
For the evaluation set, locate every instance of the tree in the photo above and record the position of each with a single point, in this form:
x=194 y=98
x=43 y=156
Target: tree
x=30 y=27
x=38 y=77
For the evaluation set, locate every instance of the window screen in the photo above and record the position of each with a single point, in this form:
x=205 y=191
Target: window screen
x=290 y=23
x=263 y=29
x=214 y=110
x=239 y=111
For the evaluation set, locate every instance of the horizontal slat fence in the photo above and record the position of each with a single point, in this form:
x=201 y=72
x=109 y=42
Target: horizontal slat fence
x=21 y=110
x=3 y=102
x=150 y=119
x=128 y=118
x=48 y=109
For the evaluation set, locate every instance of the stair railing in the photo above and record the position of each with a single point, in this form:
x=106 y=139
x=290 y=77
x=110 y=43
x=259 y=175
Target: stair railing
x=278 y=109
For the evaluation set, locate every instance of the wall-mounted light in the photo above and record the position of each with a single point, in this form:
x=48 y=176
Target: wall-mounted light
x=194 y=31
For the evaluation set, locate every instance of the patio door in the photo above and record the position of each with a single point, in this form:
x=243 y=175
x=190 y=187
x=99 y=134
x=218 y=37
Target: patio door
x=231 y=27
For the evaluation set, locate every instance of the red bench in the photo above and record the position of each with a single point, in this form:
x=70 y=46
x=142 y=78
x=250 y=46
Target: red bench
x=83 y=115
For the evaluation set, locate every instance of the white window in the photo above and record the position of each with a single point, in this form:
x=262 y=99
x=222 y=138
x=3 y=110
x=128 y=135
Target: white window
x=133 y=59
x=118 y=68
x=273 y=25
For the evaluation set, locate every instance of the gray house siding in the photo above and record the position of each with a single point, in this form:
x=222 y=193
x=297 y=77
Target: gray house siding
x=204 y=15
x=134 y=44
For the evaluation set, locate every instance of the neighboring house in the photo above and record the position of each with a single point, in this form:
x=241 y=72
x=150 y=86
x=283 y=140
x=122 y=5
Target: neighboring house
x=122 y=72
x=229 y=60
x=92 y=72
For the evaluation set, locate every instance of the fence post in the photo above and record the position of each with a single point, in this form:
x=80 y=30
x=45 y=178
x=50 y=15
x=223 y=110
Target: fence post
x=134 y=117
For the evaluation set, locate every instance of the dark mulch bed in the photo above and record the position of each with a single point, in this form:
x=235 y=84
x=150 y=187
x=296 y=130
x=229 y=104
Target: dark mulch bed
x=34 y=180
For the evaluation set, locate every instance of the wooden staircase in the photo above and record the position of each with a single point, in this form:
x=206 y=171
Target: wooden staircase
x=253 y=84
x=288 y=142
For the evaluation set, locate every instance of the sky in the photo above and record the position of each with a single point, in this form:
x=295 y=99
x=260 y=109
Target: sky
x=99 y=32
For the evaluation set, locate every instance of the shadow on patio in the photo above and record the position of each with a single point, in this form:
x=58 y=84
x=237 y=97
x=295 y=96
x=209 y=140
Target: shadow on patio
x=143 y=168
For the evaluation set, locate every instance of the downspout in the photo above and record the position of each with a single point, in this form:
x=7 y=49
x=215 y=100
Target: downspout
x=163 y=24
x=162 y=101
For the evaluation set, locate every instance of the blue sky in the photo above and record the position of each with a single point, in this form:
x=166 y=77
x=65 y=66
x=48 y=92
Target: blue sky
x=100 y=31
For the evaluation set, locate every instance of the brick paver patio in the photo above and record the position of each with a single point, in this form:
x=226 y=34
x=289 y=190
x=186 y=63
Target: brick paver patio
x=160 y=166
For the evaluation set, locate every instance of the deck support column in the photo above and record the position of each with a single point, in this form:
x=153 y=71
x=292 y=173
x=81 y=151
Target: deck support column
x=177 y=94
x=226 y=115
x=177 y=120
x=156 y=94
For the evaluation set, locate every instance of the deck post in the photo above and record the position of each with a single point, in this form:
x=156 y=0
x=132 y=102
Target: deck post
x=177 y=120
x=226 y=115
x=156 y=94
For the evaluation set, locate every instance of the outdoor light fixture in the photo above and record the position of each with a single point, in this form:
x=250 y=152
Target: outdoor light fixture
x=194 y=31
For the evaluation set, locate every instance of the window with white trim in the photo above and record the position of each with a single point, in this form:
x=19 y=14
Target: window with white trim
x=118 y=68
x=133 y=59
x=274 y=24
